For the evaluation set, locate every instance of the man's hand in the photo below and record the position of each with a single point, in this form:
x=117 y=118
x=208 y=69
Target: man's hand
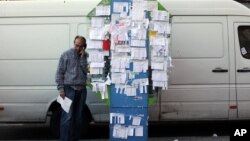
x=62 y=94
x=82 y=52
x=88 y=68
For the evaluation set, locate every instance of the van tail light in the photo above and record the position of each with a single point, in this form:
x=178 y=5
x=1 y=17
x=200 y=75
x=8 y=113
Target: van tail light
x=1 y=108
x=233 y=106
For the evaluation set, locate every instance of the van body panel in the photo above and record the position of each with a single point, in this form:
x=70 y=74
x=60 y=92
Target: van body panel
x=28 y=72
x=203 y=85
x=25 y=104
x=211 y=110
x=199 y=45
x=196 y=42
x=30 y=49
x=154 y=111
x=47 y=8
x=22 y=95
x=98 y=109
x=31 y=37
x=23 y=112
x=205 y=7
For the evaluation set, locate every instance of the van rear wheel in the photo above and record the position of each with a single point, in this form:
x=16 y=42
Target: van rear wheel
x=86 y=120
x=55 y=122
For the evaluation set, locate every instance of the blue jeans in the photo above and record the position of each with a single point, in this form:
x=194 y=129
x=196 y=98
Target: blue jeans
x=71 y=123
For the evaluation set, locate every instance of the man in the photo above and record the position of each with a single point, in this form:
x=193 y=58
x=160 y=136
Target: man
x=71 y=78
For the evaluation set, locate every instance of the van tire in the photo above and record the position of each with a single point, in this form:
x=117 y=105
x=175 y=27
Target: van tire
x=86 y=120
x=55 y=122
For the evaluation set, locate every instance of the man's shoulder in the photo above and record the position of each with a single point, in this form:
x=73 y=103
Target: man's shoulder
x=68 y=52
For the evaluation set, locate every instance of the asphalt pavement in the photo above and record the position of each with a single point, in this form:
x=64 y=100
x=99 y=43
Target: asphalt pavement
x=224 y=138
x=158 y=132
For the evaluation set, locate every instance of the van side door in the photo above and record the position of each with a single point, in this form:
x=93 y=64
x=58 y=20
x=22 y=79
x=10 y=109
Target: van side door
x=199 y=80
x=241 y=26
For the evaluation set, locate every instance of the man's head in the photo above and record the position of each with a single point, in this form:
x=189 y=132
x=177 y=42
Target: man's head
x=80 y=43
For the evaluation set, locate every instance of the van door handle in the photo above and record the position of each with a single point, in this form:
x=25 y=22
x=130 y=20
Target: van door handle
x=219 y=70
x=244 y=70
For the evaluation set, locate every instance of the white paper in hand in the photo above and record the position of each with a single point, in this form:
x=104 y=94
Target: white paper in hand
x=65 y=103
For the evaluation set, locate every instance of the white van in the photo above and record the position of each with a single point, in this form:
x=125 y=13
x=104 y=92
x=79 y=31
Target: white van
x=211 y=51
x=209 y=45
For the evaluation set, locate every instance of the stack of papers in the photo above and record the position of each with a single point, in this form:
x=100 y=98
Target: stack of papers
x=65 y=103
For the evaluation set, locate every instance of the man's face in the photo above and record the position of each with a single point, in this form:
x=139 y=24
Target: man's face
x=78 y=45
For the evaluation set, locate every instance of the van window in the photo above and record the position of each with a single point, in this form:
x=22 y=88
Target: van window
x=244 y=39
